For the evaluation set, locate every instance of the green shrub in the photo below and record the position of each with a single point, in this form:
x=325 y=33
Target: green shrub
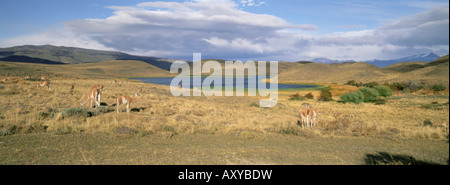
x=383 y=91
x=75 y=112
x=325 y=94
x=438 y=87
x=427 y=122
x=370 y=94
x=353 y=97
x=351 y=82
x=371 y=84
x=295 y=97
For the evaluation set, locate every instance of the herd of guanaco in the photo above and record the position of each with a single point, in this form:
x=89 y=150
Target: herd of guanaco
x=307 y=115
x=93 y=95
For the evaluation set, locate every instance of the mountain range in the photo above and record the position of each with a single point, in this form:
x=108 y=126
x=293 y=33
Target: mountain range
x=425 y=57
x=93 y=64
x=48 y=54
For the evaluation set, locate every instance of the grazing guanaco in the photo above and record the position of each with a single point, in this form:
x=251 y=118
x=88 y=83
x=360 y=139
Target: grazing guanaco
x=118 y=82
x=126 y=100
x=71 y=86
x=42 y=84
x=43 y=78
x=94 y=95
x=4 y=79
x=27 y=77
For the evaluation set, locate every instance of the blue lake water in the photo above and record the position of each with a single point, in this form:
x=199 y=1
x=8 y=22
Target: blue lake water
x=244 y=82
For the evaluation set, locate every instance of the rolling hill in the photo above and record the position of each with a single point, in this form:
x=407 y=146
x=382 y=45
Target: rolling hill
x=85 y=63
x=99 y=70
x=436 y=71
x=48 y=54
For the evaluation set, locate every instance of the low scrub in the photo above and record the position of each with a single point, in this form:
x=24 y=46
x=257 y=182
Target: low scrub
x=369 y=94
x=75 y=112
x=296 y=96
x=325 y=94
x=353 y=97
x=384 y=91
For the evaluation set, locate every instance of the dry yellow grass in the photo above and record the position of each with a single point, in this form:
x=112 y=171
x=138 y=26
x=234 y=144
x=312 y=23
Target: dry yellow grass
x=156 y=111
x=203 y=130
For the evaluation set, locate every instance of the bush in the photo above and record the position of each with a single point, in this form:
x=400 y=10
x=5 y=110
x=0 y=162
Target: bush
x=397 y=86
x=438 y=87
x=353 y=97
x=371 y=84
x=427 y=122
x=75 y=112
x=370 y=94
x=295 y=96
x=351 y=82
x=325 y=94
x=309 y=96
x=412 y=86
x=383 y=91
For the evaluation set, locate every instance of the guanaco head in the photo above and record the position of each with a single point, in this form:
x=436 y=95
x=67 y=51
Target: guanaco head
x=137 y=92
x=98 y=86
x=307 y=105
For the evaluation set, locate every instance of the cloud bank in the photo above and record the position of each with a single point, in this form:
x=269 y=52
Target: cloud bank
x=220 y=29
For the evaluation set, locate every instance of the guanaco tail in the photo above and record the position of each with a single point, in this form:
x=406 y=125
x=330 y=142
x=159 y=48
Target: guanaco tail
x=94 y=95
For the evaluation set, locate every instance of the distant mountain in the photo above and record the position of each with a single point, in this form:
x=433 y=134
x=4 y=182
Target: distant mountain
x=49 y=54
x=425 y=57
x=330 y=61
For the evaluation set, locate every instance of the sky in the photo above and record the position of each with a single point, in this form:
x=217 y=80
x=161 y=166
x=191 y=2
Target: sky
x=275 y=30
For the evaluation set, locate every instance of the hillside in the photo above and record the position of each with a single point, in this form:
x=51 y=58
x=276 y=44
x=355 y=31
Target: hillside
x=103 y=70
x=331 y=73
x=48 y=54
x=405 y=66
x=436 y=71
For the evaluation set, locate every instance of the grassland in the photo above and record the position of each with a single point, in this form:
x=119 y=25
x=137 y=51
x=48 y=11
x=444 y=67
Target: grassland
x=40 y=126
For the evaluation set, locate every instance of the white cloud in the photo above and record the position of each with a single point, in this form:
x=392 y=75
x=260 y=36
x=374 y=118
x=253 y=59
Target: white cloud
x=252 y=2
x=220 y=29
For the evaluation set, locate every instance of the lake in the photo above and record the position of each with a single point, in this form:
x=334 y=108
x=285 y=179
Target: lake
x=167 y=81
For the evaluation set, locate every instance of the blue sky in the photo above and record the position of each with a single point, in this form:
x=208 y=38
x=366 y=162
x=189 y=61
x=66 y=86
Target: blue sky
x=232 y=29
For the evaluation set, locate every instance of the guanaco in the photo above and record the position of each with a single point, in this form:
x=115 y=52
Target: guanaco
x=42 y=84
x=93 y=95
x=303 y=117
x=126 y=100
x=311 y=115
x=98 y=86
x=71 y=86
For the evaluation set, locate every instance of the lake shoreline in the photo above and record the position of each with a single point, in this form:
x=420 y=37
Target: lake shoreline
x=307 y=86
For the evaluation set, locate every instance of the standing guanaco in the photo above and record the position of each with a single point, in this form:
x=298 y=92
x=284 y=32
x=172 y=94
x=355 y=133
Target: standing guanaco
x=126 y=100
